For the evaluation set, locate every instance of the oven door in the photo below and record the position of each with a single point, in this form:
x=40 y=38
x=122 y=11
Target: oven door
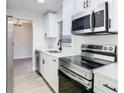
x=69 y=82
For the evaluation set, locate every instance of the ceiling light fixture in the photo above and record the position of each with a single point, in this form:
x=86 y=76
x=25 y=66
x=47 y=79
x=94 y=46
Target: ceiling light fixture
x=18 y=22
x=41 y=1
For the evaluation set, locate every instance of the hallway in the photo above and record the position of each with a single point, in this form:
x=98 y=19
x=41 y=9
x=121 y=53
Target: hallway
x=26 y=81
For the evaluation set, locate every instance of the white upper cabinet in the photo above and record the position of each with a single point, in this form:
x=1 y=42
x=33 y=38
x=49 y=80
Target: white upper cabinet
x=79 y=5
x=82 y=4
x=71 y=7
x=51 y=30
x=94 y=3
x=68 y=11
x=113 y=14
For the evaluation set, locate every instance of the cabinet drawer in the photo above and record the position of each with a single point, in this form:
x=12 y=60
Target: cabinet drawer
x=52 y=59
x=108 y=86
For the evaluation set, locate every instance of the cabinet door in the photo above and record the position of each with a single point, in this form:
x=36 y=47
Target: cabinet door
x=45 y=68
x=50 y=71
x=82 y=4
x=50 y=26
x=68 y=11
x=94 y=3
x=105 y=84
x=53 y=25
x=54 y=72
x=46 y=26
x=113 y=15
x=79 y=5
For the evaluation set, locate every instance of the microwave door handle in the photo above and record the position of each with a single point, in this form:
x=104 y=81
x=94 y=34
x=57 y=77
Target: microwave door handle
x=91 y=16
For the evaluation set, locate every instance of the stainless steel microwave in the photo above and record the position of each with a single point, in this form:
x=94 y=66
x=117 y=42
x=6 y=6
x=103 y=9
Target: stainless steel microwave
x=91 y=21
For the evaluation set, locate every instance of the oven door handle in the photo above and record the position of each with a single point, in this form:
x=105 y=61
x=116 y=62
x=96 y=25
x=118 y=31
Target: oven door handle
x=74 y=77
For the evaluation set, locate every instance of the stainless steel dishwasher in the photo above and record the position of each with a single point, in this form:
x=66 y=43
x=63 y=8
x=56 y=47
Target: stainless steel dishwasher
x=37 y=60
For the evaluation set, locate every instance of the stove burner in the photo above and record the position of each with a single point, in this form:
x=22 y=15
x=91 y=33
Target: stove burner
x=90 y=64
x=82 y=62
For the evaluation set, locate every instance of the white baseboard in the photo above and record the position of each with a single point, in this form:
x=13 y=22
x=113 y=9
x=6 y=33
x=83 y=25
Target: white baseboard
x=15 y=58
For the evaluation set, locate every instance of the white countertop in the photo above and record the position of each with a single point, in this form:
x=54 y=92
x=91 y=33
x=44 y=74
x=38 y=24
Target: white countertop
x=64 y=53
x=109 y=71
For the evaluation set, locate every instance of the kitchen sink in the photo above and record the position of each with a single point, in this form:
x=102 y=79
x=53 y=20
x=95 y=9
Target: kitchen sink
x=54 y=51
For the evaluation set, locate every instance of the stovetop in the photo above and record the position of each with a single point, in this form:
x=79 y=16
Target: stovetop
x=82 y=62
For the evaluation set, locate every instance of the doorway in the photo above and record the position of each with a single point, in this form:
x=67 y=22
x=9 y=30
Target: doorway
x=22 y=51
x=22 y=39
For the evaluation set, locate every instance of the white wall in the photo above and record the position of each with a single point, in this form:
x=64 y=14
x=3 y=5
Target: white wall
x=101 y=39
x=23 y=41
x=37 y=21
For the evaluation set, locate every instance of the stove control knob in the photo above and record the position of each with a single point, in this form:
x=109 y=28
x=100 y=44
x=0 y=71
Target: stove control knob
x=105 y=48
x=110 y=48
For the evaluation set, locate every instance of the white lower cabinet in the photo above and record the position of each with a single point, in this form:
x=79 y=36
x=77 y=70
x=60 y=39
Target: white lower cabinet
x=54 y=73
x=50 y=70
x=97 y=90
x=104 y=85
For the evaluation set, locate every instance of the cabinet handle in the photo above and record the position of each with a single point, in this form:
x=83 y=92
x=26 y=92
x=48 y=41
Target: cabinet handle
x=80 y=78
x=87 y=3
x=109 y=23
x=43 y=61
x=84 y=4
x=113 y=89
x=54 y=60
x=45 y=34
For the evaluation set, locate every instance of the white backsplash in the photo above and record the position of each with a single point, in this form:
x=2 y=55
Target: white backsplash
x=51 y=43
x=101 y=39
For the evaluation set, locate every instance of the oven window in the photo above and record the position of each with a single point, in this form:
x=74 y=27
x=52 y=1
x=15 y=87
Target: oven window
x=81 y=23
x=99 y=18
x=68 y=85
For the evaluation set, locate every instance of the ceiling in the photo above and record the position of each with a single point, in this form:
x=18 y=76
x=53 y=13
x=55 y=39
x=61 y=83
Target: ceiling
x=34 y=7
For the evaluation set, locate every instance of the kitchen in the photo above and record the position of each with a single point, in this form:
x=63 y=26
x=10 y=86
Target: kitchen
x=74 y=42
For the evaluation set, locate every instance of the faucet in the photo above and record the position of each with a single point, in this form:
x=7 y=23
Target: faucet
x=60 y=44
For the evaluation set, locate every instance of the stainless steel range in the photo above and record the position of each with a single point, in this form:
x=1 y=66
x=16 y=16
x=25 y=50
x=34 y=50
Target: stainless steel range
x=76 y=72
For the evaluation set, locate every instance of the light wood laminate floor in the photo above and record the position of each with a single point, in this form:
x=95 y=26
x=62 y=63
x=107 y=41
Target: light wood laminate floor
x=27 y=81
